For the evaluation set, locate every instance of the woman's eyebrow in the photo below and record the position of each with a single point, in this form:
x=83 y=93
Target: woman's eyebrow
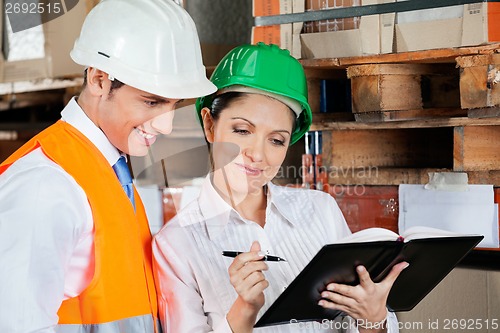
x=244 y=119
x=282 y=131
x=248 y=121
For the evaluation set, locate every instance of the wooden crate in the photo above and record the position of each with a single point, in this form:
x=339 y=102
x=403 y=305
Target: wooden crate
x=476 y=148
x=480 y=84
x=391 y=148
x=382 y=92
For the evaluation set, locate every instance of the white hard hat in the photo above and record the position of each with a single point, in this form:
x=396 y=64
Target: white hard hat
x=151 y=45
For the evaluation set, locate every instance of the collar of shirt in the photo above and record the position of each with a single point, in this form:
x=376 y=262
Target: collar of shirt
x=76 y=117
x=279 y=197
x=217 y=212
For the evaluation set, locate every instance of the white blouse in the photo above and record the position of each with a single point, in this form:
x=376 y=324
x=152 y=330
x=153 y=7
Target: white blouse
x=192 y=275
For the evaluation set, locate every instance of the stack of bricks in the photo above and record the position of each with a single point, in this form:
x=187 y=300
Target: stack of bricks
x=287 y=36
x=334 y=24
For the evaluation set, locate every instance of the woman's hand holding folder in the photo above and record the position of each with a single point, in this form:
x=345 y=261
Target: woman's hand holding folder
x=365 y=302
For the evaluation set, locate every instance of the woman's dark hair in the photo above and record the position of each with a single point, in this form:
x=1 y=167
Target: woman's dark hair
x=223 y=101
x=115 y=84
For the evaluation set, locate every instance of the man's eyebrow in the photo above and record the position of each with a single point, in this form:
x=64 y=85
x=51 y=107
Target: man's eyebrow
x=156 y=98
x=162 y=100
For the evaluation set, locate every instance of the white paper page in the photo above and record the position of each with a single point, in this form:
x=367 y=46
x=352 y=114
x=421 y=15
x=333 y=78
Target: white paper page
x=428 y=232
x=470 y=212
x=369 y=235
x=382 y=234
x=496 y=227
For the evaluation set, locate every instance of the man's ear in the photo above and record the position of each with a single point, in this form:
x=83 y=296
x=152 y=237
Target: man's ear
x=98 y=82
x=208 y=124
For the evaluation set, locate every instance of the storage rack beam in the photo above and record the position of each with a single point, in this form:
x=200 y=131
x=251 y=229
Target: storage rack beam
x=328 y=14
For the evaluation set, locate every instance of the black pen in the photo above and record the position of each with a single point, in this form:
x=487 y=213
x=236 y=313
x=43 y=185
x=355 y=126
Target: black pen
x=233 y=254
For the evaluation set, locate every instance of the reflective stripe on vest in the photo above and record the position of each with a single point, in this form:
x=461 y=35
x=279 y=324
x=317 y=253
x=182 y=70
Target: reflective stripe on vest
x=140 y=324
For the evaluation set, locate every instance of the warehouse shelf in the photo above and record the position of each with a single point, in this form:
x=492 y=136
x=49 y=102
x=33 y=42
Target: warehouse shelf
x=404 y=129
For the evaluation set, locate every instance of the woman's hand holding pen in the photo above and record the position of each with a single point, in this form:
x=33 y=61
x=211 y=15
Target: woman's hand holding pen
x=246 y=276
x=365 y=302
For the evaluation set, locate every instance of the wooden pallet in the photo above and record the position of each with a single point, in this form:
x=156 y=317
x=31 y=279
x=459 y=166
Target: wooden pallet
x=416 y=85
x=404 y=152
x=403 y=128
x=24 y=94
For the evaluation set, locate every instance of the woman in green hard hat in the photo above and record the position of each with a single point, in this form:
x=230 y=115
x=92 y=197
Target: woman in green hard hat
x=260 y=109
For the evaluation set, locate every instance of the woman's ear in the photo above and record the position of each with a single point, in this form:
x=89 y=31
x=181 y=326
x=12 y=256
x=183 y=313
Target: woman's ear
x=208 y=124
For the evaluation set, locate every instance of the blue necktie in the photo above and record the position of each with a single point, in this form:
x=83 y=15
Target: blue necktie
x=123 y=174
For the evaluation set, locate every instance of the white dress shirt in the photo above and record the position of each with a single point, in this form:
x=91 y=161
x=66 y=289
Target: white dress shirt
x=192 y=275
x=46 y=234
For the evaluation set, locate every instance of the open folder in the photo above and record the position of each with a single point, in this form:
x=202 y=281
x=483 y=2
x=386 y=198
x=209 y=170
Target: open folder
x=432 y=254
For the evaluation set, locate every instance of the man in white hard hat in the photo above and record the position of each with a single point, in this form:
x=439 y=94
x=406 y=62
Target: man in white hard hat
x=74 y=239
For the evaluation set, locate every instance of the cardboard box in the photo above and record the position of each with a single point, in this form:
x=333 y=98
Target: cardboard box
x=60 y=35
x=455 y=26
x=374 y=36
x=281 y=35
x=298 y=7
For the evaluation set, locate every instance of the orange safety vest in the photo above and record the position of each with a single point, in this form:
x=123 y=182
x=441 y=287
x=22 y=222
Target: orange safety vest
x=121 y=296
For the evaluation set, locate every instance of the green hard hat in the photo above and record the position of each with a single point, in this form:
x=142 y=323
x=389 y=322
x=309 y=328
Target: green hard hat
x=268 y=68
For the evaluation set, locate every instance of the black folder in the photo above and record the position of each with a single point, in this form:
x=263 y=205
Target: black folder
x=431 y=259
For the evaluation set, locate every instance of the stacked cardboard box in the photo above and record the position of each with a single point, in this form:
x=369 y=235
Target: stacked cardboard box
x=455 y=26
x=446 y=27
x=287 y=36
x=59 y=35
x=371 y=34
